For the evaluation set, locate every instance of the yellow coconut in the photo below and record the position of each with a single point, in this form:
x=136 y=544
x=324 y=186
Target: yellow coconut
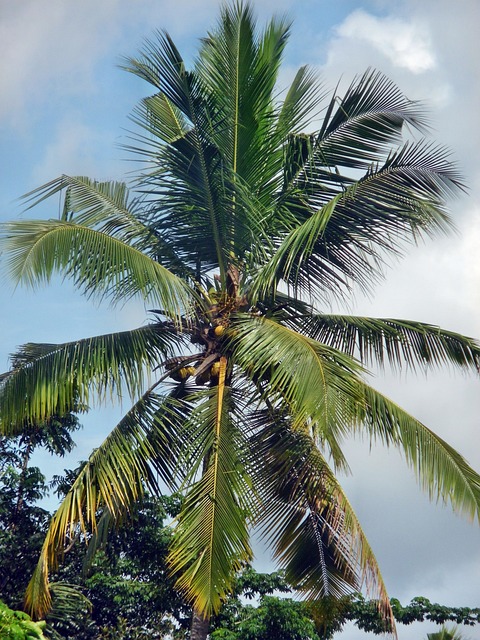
x=215 y=369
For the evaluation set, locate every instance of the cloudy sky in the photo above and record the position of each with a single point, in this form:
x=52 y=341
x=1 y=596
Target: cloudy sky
x=63 y=109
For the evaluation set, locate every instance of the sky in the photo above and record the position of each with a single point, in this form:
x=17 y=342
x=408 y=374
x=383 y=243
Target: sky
x=64 y=108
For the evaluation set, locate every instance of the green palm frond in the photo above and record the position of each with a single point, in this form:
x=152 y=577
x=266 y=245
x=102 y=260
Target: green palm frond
x=52 y=379
x=301 y=102
x=359 y=127
x=99 y=264
x=142 y=445
x=67 y=601
x=315 y=382
x=332 y=399
x=161 y=119
x=308 y=519
x=398 y=342
x=211 y=537
x=92 y=203
x=441 y=471
x=372 y=219
x=295 y=249
x=109 y=208
x=239 y=68
x=192 y=159
x=397 y=200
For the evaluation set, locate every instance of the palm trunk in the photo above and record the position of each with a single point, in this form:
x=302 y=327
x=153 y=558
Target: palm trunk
x=200 y=625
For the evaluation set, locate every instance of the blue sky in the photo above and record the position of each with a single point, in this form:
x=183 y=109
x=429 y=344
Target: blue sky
x=64 y=109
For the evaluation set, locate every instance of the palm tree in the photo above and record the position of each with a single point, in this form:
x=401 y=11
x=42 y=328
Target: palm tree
x=241 y=229
x=446 y=633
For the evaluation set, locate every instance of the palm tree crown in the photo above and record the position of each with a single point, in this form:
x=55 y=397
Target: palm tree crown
x=241 y=228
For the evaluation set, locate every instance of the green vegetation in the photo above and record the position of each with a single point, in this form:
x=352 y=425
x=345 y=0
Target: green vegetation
x=239 y=229
x=17 y=625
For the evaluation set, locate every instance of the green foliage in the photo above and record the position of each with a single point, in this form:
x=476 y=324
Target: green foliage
x=17 y=625
x=23 y=523
x=284 y=619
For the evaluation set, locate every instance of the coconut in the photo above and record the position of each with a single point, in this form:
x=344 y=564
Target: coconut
x=215 y=369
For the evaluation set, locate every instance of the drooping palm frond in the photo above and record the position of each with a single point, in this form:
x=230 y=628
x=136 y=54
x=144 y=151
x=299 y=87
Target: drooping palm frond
x=211 y=541
x=317 y=384
x=398 y=342
x=142 y=445
x=441 y=471
x=334 y=401
x=53 y=379
x=67 y=601
x=99 y=264
x=307 y=517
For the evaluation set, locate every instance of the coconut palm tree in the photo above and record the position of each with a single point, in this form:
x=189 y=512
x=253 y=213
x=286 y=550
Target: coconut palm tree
x=239 y=229
x=446 y=633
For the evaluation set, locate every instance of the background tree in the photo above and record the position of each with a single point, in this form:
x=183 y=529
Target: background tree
x=23 y=523
x=125 y=581
x=17 y=625
x=242 y=228
x=323 y=618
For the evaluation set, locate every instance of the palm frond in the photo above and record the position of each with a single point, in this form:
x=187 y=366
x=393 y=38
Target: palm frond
x=142 y=445
x=192 y=158
x=109 y=208
x=315 y=382
x=106 y=205
x=295 y=249
x=301 y=102
x=99 y=264
x=307 y=517
x=360 y=126
x=210 y=541
x=398 y=342
x=51 y=379
x=162 y=119
x=240 y=69
x=441 y=471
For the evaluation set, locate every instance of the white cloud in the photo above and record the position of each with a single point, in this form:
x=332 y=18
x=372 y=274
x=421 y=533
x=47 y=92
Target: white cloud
x=76 y=148
x=405 y=44
x=48 y=49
